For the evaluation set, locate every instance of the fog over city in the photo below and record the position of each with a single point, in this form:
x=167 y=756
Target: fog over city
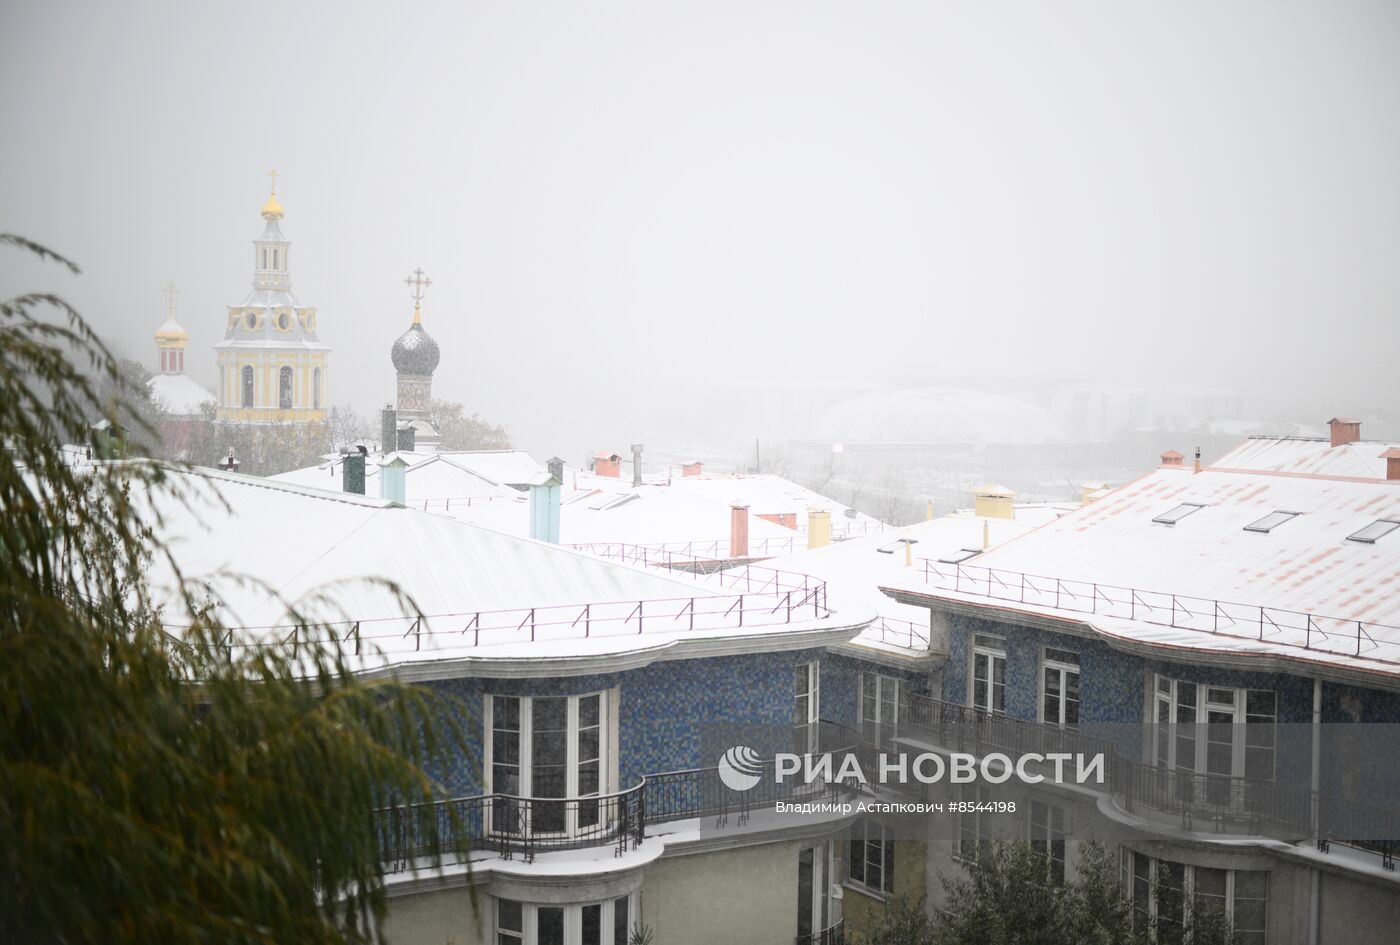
x=697 y=225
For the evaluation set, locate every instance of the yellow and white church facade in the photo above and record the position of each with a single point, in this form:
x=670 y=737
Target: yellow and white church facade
x=273 y=367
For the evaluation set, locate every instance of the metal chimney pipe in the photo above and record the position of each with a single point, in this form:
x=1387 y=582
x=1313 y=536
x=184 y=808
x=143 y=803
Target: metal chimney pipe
x=636 y=464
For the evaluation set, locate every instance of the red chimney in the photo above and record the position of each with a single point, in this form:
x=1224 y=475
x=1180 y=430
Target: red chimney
x=1344 y=430
x=608 y=464
x=1198 y=459
x=1392 y=463
x=1172 y=458
x=690 y=469
x=738 y=531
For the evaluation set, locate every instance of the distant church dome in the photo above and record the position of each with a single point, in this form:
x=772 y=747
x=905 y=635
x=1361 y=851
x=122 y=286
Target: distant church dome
x=415 y=352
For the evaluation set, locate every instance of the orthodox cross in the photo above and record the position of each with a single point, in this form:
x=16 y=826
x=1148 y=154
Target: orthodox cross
x=419 y=282
x=170 y=293
x=273 y=175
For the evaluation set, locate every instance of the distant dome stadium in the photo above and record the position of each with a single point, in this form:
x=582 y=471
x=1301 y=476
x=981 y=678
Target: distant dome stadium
x=415 y=352
x=937 y=415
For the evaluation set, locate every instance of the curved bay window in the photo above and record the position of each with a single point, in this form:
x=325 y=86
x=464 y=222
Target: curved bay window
x=594 y=923
x=284 y=388
x=548 y=763
x=247 y=385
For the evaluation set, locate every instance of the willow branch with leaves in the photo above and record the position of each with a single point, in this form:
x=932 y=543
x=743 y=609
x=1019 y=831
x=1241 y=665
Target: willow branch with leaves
x=151 y=792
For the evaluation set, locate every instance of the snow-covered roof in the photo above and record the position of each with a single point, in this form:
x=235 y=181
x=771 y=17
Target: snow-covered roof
x=767 y=494
x=434 y=479
x=1315 y=456
x=854 y=570
x=646 y=515
x=937 y=415
x=1035 y=513
x=178 y=395
x=483 y=595
x=1245 y=579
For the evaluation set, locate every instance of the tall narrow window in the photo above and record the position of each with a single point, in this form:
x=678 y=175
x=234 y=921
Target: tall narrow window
x=284 y=388
x=806 y=708
x=871 y=858
x=247 y=385
x=1048 y=837
x=549 y=757
x=588 y=752
x=880 y=708
x=316 y=388
x=1059 y=701
x=989 y=674
x=974 y=836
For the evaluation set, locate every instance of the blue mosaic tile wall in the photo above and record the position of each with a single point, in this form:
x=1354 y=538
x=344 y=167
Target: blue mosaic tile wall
x=841 y=685
x=1113 y=688
x=664 y=708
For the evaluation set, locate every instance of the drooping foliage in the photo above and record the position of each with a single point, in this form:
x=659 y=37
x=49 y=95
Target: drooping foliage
x=158 y=787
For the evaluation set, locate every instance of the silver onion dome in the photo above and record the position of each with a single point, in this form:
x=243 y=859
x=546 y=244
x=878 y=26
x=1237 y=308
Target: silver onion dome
x=415 y=352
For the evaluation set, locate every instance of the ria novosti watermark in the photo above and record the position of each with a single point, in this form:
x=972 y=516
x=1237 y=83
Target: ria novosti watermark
x=741 y=768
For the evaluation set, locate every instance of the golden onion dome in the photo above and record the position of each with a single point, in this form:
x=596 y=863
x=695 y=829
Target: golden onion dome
x=171 y=333
x=272 y=210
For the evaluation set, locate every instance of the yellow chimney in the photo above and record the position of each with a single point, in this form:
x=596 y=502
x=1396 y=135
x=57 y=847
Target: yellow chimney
x=818 y=528
x=928 y=513
x=994 y=501
x=986 y=534
x=1087 y=490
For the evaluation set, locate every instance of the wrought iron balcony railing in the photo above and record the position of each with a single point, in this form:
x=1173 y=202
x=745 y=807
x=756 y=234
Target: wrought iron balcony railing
x=834 y=934
x=1246 y=804
x=524 y=826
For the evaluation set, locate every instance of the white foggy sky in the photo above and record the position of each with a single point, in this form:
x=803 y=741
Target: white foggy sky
x=650 y=198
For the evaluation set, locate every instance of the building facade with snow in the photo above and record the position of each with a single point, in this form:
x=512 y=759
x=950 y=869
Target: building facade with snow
x=1229 y=640
x=591 y=694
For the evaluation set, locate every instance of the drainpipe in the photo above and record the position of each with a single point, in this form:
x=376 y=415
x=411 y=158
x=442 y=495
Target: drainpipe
x=1315 y=891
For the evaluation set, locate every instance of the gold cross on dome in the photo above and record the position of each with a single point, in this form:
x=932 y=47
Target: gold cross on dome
x=273 y=175
x=170 y=293
x=419 y=282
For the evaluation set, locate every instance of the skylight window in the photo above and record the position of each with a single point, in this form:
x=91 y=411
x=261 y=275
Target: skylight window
x=1172 y=516
x=1271 y=521
x=960 y=555
x=1374 y=532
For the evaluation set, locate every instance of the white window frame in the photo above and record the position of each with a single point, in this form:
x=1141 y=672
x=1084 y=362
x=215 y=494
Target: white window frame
x=528 y=933
x=992 y=654
x=825 y=908
x=872 y=833
x=887 y=695
x=813 y=705
x=1166 y=701
x=607 y=760
x=1063 y=669
x=1047 y=832
x=982 y=836
x=1188 y=891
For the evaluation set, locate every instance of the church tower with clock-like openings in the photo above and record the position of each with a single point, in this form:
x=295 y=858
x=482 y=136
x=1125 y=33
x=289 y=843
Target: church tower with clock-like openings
x=272 y=364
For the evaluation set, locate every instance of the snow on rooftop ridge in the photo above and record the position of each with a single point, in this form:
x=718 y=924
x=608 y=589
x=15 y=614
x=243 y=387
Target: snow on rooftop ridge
x=1303 y=582
x=473 y=589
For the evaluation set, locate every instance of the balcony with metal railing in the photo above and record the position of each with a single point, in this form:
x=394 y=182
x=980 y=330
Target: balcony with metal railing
x=1217 y=803
x=834 y=934
x=510 y=826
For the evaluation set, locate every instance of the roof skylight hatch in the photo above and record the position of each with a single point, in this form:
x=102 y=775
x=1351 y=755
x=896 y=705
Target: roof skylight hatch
x=1374 y=532
x=1172 y=516
x=1271 y=521
x=959 y=556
